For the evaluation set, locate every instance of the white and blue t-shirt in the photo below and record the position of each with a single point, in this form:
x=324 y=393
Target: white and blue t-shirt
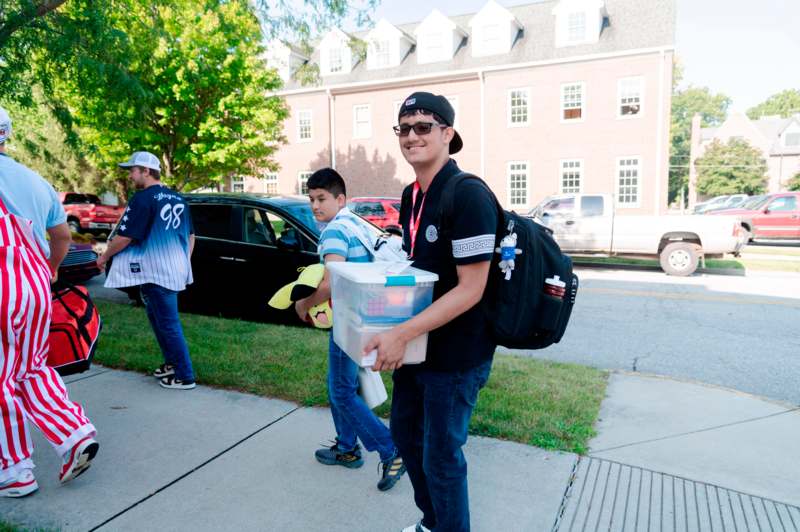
x=158 y=221
x=338 y=238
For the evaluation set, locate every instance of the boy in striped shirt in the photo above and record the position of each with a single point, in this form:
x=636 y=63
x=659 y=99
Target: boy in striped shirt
x=351 y=416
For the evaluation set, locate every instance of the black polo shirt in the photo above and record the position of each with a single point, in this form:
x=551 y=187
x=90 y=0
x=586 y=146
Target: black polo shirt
x=464 y=342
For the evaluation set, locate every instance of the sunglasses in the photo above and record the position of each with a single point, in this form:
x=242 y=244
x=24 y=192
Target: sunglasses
x=420 y=128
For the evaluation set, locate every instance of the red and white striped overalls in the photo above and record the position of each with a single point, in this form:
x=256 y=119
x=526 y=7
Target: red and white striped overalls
x=30 y=389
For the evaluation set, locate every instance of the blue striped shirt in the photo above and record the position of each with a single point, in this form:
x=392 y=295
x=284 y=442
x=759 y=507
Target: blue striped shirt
x=158 y=221
x=337 y=238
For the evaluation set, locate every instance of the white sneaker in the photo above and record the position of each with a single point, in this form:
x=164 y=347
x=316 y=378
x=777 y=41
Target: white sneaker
x=417 y=528
x=23 y=485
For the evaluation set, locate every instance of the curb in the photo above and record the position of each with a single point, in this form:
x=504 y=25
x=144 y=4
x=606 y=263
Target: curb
x=646 y=268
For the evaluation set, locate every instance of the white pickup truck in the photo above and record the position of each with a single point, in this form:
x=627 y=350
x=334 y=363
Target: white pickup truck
x=587 y=224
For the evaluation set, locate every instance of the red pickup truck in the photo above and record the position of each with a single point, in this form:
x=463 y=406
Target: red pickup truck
x=86 y=213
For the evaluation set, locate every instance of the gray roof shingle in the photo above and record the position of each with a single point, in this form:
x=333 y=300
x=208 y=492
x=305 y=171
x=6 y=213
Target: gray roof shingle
x=631 y=24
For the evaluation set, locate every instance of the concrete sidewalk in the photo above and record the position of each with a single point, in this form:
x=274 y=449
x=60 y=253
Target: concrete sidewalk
x=211 y=459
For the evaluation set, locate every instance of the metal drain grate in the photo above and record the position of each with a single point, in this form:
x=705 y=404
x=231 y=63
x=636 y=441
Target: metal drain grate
x=609 y=496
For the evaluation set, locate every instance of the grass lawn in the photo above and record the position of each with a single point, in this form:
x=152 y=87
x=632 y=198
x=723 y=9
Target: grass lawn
x=553 y=406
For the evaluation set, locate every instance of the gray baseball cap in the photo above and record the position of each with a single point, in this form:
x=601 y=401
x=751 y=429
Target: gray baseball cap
x=144 y=159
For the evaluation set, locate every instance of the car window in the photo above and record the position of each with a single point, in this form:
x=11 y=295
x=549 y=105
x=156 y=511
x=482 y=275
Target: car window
x=91 y=198
x=396 y=206
x=370 y=208
x=559 y=205
x=782 y=204
x=213 y=221
x=592 y=206
x=302 y=213
x=72 y=199
x=257 y=228
x=288 y=235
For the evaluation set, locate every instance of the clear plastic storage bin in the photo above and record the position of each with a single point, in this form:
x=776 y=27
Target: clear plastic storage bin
x=370 y=298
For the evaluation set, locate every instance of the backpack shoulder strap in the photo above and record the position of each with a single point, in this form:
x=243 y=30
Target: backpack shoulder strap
x=448 y=199
x=358 y=231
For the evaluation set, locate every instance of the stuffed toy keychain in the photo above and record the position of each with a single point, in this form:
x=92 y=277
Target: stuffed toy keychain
x=321 y=316
x=508 y=251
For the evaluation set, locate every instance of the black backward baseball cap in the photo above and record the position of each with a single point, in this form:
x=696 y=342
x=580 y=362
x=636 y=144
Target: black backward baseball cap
x=434 y=103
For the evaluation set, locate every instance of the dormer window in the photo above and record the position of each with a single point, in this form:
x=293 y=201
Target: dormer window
x=494 y=30
x=381 y=49
x=335 y=63
x=576 y=26
x=438 y=38
x=791 y=139
x=579 y=21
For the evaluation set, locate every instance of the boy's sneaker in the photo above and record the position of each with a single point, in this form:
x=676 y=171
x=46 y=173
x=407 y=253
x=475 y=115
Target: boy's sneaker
x=174 y=383
x=78 y=459
x=23 y=485
x=393 y=469
x=164 y=370
x=417 y=528
x=333 y=455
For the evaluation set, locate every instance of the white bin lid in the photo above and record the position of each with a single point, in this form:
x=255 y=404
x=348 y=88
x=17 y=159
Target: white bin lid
x=382 y=273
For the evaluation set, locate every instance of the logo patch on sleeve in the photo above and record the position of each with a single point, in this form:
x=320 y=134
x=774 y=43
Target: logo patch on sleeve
x=136 y=267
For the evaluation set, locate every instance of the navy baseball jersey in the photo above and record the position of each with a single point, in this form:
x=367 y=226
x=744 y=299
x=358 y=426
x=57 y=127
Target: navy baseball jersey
x=158 y=221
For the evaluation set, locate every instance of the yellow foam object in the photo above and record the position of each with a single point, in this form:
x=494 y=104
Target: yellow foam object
x=321 y=315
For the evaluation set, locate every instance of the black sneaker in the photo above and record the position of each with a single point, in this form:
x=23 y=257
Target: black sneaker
x=176 y=384
x=333 y=455
x=393 y=469
x=164 y=370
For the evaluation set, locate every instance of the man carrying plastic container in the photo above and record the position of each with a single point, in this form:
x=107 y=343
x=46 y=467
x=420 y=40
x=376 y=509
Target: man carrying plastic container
x=432 y=402
x=351 y=416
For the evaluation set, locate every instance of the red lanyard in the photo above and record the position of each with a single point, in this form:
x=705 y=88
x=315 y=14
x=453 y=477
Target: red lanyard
x=413 y=227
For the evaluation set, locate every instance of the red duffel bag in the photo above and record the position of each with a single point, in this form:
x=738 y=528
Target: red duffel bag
x=74 y=329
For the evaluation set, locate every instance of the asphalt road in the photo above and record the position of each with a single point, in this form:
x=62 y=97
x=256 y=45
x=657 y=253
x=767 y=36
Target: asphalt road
x=736 y=332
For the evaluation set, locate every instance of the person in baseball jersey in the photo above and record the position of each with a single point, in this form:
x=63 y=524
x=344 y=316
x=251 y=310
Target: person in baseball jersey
x=152 y=250
x=29 y=389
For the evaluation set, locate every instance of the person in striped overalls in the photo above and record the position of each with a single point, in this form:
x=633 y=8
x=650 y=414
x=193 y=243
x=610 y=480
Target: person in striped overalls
x=29 y=390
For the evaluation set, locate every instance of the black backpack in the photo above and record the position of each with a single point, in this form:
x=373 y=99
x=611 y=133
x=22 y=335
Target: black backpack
x=522 y=314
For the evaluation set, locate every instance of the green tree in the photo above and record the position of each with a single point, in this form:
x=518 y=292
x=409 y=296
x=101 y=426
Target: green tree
x=794 y=182
x=713 y=109
x=183 y=79
x=39 y=143
x=732 y=168
x=784 y=103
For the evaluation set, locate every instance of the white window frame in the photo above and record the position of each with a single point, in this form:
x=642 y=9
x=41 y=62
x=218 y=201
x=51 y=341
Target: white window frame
x=237 y=181
x=382 y=53
x=362 y=134
x=434 y=53
x=620 y=83
x=572 y=25
x=577 y=167
x=337 y=49
x=270 y=179
x=563 y=108
x=509 y=171
x=639 y=182
x=494 y=45
x=305 y=115
x=302 y=181
x=510 y=108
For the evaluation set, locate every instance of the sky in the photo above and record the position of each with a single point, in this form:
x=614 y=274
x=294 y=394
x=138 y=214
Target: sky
x=745 y=49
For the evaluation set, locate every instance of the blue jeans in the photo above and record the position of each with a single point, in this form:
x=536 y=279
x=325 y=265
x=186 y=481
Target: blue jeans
x=351 y=416
x=430 y=417
x=162 y=311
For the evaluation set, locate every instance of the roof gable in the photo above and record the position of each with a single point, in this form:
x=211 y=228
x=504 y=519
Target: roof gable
x=436 y=20
x=493 y=12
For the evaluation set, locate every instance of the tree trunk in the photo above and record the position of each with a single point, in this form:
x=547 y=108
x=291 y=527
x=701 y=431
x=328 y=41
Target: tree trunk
x=25 y=16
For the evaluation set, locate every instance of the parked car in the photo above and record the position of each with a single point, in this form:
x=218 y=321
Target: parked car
x=87 y=214
x=247 y=247
x=586 y=223
x=732 y=202
x=703 y=206
x=383 y=212
x=776 y=216
x=79 y=265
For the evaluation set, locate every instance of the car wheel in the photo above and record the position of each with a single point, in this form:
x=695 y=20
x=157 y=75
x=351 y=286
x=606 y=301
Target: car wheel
x=680 y=258
x=74 y=226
